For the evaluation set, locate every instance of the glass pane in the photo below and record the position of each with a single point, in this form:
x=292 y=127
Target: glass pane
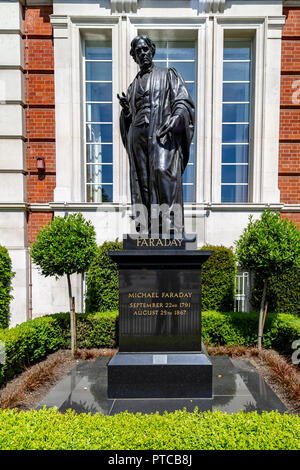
x=236 y=112
x=98 y=50
x=178 y=50
x=236 y=92
x=99 y=92
x=188 y=175
x=191 y=89
x=161 y=64
x=99 y=71
x=99 y=112
x=234 y=193
x=237 y=50
x=188 y=193
x=192 y=153
x=235 y=133
x=97 y=193
x=161 y=50
x=235 y=153
x=235 y=72
x=186 y=69
x=98 y=153
x=234 y=173
x=99 y=133
x=99 y=174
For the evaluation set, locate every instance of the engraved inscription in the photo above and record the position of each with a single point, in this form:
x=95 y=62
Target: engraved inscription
x=169 y=303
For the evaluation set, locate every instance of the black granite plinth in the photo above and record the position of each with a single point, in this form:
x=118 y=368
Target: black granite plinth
x=170 y=375
x=160 y=326
x=160 y=300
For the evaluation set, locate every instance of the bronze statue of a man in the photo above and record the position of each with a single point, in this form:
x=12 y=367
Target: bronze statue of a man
x=157 y=126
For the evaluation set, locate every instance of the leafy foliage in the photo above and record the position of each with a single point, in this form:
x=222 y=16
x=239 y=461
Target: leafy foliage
x=283 y=292
x=51 y=430
x=64 y=246
x=30 y=342
x=6 y=276
x=103 y=280
x=218 y=279
x=269 y=245
x=238 y=328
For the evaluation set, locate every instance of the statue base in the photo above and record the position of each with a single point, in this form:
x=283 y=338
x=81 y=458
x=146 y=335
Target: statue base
x=160 y=353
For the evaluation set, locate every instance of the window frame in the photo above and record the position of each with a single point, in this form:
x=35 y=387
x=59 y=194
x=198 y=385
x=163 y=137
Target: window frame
x=85 y=143
x=94 y=32
x=251 y=103
x=240 y=29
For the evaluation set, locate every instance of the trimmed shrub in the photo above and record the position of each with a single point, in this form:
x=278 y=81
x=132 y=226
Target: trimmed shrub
x=6 y=276
x=95 y=330
x=30 y=342
x=233 y=328
x=51 y=430
x=283 y=292
x=218 y=279
x=103 y=280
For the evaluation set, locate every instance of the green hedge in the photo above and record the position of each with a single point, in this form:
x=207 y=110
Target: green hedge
x=283 y=292
x=218 y=279
x=6 y=276
x=51 y=430
x=220 y=328
x=103 y=280
x=30 y=342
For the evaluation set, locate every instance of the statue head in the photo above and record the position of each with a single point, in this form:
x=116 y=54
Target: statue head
x=142 y=50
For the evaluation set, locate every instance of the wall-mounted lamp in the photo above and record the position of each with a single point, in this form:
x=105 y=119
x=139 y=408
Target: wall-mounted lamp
x=40 y=164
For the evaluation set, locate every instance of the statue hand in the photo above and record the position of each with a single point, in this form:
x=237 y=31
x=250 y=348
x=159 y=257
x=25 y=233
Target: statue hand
x=173 y=125
x=124 y=102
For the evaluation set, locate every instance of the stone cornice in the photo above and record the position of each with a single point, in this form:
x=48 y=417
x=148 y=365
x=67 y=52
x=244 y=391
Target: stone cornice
x=213 y=6
x=116 y=207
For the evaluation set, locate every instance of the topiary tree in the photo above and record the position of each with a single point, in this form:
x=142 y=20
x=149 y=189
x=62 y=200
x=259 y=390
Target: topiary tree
x=103 y=280
x=268 y=246
x=283 y=292
x=6 y=276
x=218 y=279
x=63 y=247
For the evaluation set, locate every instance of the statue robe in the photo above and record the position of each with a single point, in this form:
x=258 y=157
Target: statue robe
x=167 y=157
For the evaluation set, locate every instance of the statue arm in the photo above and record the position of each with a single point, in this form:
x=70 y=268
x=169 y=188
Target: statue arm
x=181 y=120
x=181 y=101
x=125 y=118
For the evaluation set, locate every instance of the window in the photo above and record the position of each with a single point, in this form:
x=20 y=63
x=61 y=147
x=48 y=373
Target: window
x=182 y=56
x=236 y=120
x=242 y=289
x=99 y=127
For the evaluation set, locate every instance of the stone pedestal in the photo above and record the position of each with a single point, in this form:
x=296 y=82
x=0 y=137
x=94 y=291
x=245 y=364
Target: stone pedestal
x=160 y=352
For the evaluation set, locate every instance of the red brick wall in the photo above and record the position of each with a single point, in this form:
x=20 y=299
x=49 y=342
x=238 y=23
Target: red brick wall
x=40 y=112
x=36 y=221
x=294 y=216
x=289 y=146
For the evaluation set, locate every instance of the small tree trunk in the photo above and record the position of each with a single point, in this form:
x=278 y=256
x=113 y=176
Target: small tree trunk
x=265 y=314
x=71 y=316
x=262 y=314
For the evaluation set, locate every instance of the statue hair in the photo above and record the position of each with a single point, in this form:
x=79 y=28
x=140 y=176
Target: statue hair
x=147 y=40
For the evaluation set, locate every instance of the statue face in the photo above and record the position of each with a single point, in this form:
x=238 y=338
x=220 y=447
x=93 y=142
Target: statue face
x=143 y=53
